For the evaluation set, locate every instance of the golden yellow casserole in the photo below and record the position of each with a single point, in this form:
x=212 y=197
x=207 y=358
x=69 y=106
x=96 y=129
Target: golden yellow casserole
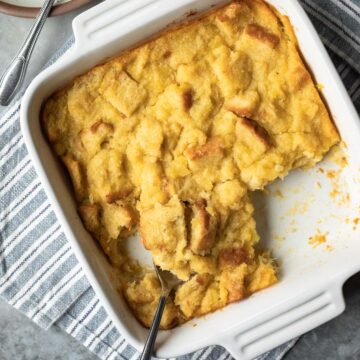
x=170 y=137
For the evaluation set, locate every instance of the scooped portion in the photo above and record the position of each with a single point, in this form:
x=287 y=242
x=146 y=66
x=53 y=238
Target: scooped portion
x=169 y=138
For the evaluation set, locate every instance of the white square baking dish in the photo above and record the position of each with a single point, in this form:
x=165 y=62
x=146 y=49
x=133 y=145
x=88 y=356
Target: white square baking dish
x=310 y=288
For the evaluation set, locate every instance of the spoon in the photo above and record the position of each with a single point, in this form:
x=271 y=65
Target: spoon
x=168 y=282
x=14 y=75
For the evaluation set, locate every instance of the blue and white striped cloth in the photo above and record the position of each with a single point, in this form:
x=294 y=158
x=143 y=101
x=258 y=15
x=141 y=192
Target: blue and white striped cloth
x=39 y=274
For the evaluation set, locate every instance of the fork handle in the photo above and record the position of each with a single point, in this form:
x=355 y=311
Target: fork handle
x=14 y=75
x=150 y=341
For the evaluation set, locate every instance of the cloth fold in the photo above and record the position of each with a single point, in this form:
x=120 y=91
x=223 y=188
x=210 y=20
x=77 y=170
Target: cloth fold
x=39 y=274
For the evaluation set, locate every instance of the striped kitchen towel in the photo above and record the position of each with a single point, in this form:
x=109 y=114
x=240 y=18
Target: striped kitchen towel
x=39 y=274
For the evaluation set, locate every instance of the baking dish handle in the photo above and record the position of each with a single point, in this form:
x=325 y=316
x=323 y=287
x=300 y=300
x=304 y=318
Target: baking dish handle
x=111 y=20
x=287 y=322
x=95 y=21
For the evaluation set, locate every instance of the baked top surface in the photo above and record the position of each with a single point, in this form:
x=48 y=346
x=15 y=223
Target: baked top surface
x=170 y=137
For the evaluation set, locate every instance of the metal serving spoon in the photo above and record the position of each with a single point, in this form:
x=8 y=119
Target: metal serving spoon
x=14 y=75
x=168 y=282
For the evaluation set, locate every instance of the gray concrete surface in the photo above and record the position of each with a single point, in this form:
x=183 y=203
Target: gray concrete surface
x=20 y=339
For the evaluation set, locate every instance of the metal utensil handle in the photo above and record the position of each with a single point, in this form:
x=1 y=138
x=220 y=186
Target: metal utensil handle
x=14 y=75
x=150 y=341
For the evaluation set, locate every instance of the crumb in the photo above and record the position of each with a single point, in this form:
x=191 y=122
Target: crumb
x=334 y=193
x=347 y=220
x=329 y=248
x=356 y=222
x=347 y=197
x=318 y=185
x=344 y=161
x=194 y=325
x=299 y=208
x=319 y=86
x=321 y=170
x=331 y=174
x=279 y=238
x=319 y=221
x=343 y=199
x=317 y=239
x=279 y=194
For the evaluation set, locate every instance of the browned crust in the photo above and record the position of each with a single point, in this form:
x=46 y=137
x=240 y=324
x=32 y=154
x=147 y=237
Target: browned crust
x=239 y=111
x=236 y=292
x=187 y=99
x=230 y=12
x=99 y=124
x=201 y=279
x=90 y=215
x=203 y=239
x=260 y=33
x=118 y=195
x=300 y=77
x=212 y=147
x=259 y=132
x=243 y=112
x=232 y=257
x=167 y=54
x=131 y=215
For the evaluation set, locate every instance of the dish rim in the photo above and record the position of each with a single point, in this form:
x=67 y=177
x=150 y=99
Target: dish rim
x=76 y=53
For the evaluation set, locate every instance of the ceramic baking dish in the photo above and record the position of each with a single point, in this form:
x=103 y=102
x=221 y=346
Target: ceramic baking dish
x=310 y=288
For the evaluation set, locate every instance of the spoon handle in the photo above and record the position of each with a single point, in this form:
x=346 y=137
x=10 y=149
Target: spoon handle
x=150 y=341
x=14 y=75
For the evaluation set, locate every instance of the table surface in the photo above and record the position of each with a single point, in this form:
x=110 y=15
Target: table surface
x=21 y=339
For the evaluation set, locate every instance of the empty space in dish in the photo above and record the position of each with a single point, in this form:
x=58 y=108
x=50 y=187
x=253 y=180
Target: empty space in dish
x=308 y=217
